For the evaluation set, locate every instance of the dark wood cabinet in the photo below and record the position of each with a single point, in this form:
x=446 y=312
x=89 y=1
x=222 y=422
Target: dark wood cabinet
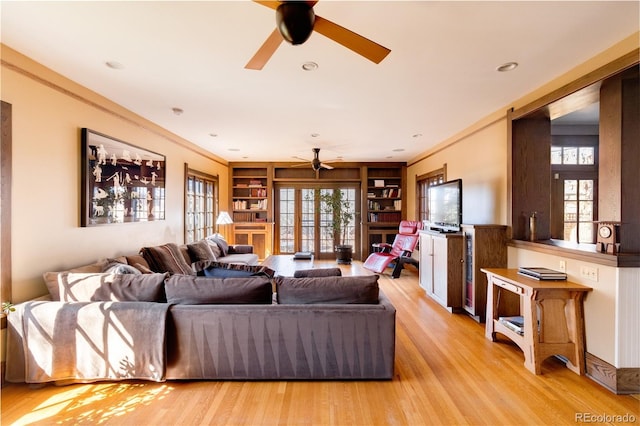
x=485 y=246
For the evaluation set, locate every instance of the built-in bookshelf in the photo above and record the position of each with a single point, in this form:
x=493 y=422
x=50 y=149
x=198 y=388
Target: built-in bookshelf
x=384 y=194
x=250 y=194
x=383 y=203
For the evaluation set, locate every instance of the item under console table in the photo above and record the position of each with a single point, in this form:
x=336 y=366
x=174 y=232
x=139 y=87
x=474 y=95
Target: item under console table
x=557 y=308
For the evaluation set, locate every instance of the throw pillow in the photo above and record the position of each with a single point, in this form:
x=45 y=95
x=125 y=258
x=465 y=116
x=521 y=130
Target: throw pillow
x=190 y=290
x=322 y=272
x=90 y=287
x=200 y=250
x=220 y=242
x=118 y=266
x=215 y=248
x=138 y=262
x=166 y=258
x=333 y=290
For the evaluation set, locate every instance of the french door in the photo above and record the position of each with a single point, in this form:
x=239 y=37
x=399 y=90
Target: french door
x=574 y=206
x=302 y=223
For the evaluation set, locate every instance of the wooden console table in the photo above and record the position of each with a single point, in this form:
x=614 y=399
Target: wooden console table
x=557 y=308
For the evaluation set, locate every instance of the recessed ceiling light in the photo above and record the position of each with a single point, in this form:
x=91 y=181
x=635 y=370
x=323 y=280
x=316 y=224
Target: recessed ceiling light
x=234 y=149
x=177 y=111
x=213 y=135
x=309 y=66
x=416 y=135
x=509 y=66
x=398 y=150
x=114 y=65
x=315 y=135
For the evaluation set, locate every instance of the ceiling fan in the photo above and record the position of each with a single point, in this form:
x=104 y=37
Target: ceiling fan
x=316 y=164
x=296 y=21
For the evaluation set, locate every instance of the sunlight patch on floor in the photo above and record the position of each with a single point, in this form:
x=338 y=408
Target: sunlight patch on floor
x=80 y=402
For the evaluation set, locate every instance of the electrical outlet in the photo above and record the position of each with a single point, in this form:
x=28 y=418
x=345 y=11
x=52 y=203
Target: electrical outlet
x=563 y=266
x=589 y=273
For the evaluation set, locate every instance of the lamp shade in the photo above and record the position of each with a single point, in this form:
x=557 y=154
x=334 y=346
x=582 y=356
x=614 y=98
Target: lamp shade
x=224 y=219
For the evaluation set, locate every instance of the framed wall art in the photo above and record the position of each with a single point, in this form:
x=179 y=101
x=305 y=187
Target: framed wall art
x=120 y=182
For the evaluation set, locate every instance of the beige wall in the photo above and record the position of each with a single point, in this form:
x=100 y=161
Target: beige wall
x=478 y=155
x=480 y=160
x=48 y=112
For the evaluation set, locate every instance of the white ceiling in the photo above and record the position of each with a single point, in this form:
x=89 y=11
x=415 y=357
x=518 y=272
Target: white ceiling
x=439 y=78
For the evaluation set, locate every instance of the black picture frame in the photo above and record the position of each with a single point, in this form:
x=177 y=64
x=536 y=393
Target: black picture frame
x=121 y=182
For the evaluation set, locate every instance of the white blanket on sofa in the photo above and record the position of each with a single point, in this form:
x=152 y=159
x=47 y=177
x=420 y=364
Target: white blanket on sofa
x=86 y=341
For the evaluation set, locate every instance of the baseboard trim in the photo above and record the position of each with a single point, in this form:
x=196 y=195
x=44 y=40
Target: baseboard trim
x=620 y=381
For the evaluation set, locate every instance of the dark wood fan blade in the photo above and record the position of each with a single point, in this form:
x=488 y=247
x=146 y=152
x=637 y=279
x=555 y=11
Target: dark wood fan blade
x=265 y=52
x=361 y=45
x=275 y=4
x=271 y=4
x=326 y=166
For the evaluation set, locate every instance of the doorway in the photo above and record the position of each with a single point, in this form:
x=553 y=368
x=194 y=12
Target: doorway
x=303 y=223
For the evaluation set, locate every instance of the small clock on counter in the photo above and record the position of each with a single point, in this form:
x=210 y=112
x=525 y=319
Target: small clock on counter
x=608 y=238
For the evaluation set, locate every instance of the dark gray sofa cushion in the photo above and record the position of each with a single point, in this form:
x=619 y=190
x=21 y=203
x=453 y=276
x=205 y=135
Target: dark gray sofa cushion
x=91 y=287
x=192 y=290
x=318 y=272
x=332 y=290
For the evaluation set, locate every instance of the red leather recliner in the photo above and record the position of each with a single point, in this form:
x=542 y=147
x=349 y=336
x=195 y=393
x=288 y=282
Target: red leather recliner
x=399 y=252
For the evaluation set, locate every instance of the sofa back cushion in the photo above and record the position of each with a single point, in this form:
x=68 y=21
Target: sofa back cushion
x=333 y=290
x=317 y=272
x=166 y=258
x=90 y=287
x=191 y=290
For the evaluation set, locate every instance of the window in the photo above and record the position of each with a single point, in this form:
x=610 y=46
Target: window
x=201 y=199
x=422 y=186
x=582 y=155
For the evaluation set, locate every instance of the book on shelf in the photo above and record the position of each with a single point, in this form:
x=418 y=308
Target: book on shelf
x=378 y=183
x=514 y=323
x=540 y=273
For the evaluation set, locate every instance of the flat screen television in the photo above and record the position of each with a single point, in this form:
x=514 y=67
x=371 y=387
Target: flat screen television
x=445 y=206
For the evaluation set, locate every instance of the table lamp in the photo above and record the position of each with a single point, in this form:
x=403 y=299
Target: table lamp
x=223 y=219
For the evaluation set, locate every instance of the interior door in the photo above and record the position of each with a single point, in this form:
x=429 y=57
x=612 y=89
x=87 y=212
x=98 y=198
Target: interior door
x=302 y=225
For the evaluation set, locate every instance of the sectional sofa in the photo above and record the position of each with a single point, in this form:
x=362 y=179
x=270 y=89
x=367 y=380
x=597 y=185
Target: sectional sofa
x=161 y=326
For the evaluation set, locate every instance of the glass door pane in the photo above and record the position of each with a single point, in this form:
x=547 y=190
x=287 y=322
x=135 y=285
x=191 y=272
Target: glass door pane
x=286 y=222
x=579 y=210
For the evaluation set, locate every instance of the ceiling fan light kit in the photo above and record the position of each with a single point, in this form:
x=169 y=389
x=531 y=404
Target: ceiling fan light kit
x=295 y=21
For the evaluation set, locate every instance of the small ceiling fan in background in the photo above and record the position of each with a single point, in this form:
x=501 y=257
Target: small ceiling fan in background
x=316 y=164
x=295 y=21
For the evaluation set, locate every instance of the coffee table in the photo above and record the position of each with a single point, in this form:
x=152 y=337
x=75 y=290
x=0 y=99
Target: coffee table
x=285 y=266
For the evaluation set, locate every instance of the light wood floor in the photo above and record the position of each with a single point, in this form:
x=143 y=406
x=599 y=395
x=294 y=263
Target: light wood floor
x=446 y=373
